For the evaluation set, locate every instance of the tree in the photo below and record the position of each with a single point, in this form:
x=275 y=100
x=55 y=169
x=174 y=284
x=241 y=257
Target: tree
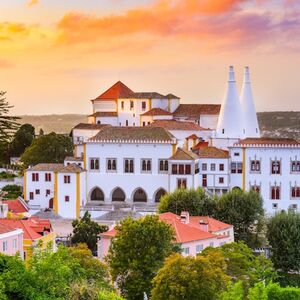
x=49 y=148
x=87 y=231
x=191 y=278
x=283 y=235
x=21 y=140
x=41 y=132
x=196 y=202
x=244 y=210
x=137 y=252
x=13 y=191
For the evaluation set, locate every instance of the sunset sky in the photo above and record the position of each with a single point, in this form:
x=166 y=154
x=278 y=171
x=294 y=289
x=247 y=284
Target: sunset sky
x=56 y=55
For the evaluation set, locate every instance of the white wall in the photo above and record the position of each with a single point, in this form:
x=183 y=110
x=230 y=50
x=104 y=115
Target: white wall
x=106 y=105
x=107 y=120
x=209 y=121
x=82 y=135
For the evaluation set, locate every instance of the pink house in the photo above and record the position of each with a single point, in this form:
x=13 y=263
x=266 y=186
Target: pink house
x=193 y=234
x=11 y=240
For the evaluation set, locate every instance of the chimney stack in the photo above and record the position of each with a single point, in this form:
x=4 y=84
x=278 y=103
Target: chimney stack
x=185 y=217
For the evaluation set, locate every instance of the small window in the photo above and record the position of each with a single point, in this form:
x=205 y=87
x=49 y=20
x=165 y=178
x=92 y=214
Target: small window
x=47 y=177
x=15 y=243
x=181 y=183
x=94 y=164
x=111 y=165
x=67 y=179
x=35 y=176
x=47 y=192
x=211 y=244
x=236 y=154
x=149 y=123
x=131 y=105
x=122 y=105
x=221 y=167
x=163 y=165
x=255 y=188
x=146 y=165
x=187 y=169
x=5 y=246
x=223 y=131
x=37 y=192
x=196 y=168
x=174 y=169
x=295 y=166
x=221 y=179
x=31 y=196
x=274 y=205
x=144 y=123
x=213 y=167
x=204 y=167
x=199 y=248
x=181 y=169
x=126 y=122
x=143 y=105
x=275 y=167
x=129 y=165
x=186 y=250
x=67 y=199
x=255 y=166
x=275 y=192
x=295 y=192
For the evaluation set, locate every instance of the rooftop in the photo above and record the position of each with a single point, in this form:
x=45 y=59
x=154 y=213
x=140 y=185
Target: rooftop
x=267 y=141
x=71 y=168
x=6 y=228
x=156 y=112
x=213 y=224
x=16 y=206
x=145 y=134
x=212 y=152
x=90 y=126
x=195 y=110
x=104 y=114
x=182 y=154
x=176 y=125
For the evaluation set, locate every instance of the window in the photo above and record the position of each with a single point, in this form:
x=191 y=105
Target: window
x=47 y=192
x=211 y=244
x=186 y=250
x=275 y=167
x=37 y=192
x=293 y=206
x=47 y=176
x=174 y=169
x=255 y=188
x=204 y=167
x=35 y=176
x=111 y=165
x=144 y=123
x=131 y=105
x=94 y=164
x=187 y=169
x=221 y=179
x=143 y=105
x=295 y=166
x=31 y=196
x=204 y=180
x=199 y=248
x=295 y=192
x=181 y=169
x=236 y=168
x=274 y=205
x=67 y=199
x=275 y=192
x=236 y=154
x=128 y=165
x=163 y=165
x=4 y=246
x=181 y=183
x=146 y=165
x=221 y=167
x=122 y=105
x=255 y=166
x=15 y=243
x=149 y=123
x=213 y=167
x=196 y=168
x=126 y=122
x=67 y=179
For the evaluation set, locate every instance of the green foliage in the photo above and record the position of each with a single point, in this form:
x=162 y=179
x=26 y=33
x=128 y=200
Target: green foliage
x=86 y=231
x=235 y=292
x=191 y=278
x=21 y=140
x=4 y=175
x=106 y=295
x=13 y=191
x=284 y=237
x=196 y=202
x=50 y=148
x=244 y=210
x=137 y=252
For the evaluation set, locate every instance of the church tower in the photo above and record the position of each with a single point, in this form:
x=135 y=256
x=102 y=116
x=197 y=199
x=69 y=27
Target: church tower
x=230 y=122
x=248 y=108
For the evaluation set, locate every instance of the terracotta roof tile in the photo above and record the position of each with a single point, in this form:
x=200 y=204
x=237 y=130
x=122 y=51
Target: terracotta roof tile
x=200 y=145
x=269 y=141
x=15 y=206
x=146 y=133
x=72 y=158
x=212 y=152
x=195 y=110
x=6 y=228
x=46 y=167
x=104 y=114
x=182 y=154
x=176 y=125
x=213 y=224
x=117 y=91
x=71 y=168
x=156 y=112
x=90 y=126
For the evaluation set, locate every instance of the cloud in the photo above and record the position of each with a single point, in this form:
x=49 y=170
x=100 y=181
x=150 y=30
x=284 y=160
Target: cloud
x=31 y=3
x=5 y=64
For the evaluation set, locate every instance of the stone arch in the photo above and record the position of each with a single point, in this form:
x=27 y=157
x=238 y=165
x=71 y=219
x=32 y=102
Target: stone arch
x=139 y=195
x=96 y=194
x=118 y=195
x=158 y=194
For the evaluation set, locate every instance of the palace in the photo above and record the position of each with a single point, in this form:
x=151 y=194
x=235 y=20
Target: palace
x=137 y=146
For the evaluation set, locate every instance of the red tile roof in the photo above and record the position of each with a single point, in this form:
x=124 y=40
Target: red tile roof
x=16 y=206
x=6 y=228
x=200 y=145
x=195 y=110
x=268 y=141
x=32 y=227
x=109 y=233
x=212 y=152
x=90 y=126
x=104 y=114
x=182 y=154
x=117 y=91
x=156 y=112
x=213 y=224
x=191 y=137
x=176 y=125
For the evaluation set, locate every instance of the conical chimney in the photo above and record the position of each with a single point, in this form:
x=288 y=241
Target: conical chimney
x=230 y=122
x=248 y=107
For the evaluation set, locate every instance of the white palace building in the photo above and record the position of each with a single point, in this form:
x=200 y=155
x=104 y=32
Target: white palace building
x=138 y=146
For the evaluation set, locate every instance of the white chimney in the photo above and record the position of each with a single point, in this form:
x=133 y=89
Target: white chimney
x=185 y=217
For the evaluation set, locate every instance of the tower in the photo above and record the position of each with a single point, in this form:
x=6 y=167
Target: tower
x=230 y=122
x=248 y=107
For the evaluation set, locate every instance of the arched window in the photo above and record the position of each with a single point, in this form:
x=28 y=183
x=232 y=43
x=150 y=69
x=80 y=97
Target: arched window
x=118 y=195
x=159 y=194
x=139 y=195
x=97 y=195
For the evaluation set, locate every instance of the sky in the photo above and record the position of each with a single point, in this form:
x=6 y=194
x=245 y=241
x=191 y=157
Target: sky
x=57 y=55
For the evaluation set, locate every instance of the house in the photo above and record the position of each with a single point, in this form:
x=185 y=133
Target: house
x=37 y=233
x=193 y=234
x=17 y=207
x=11 y=240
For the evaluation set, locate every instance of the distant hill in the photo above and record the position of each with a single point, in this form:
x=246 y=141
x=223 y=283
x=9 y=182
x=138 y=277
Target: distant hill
x=274 y=124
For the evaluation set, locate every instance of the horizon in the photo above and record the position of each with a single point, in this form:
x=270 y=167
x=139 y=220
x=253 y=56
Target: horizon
x=55 y=55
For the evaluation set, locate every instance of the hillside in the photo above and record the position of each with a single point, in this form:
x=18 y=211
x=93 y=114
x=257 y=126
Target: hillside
x=276 y=124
